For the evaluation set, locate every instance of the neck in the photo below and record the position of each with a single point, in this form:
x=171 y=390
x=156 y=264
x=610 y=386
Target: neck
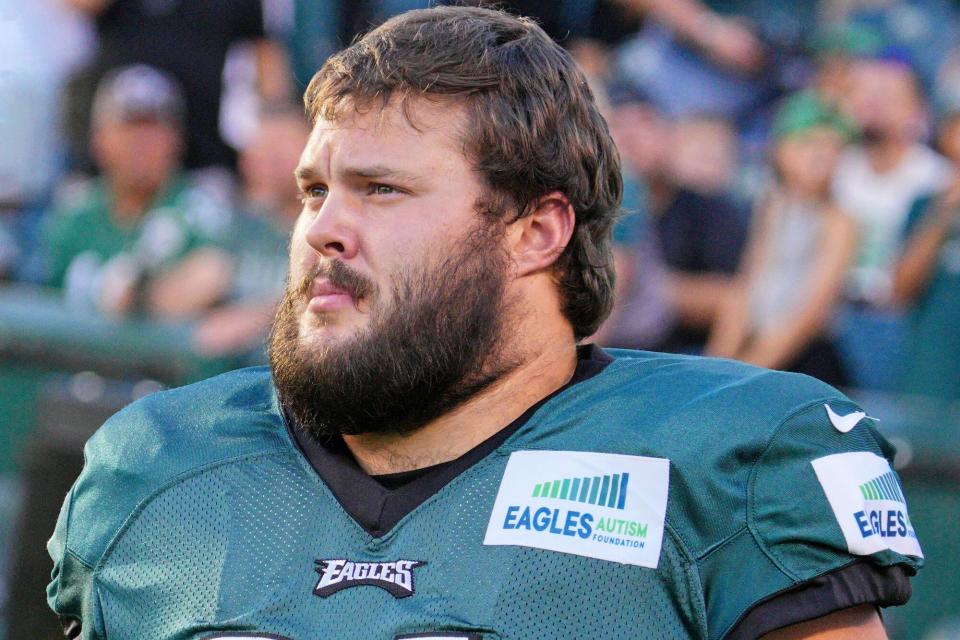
x=129 y=202
x=887 y=155
x=451 y=435
x=661 y=193
x=810 y=194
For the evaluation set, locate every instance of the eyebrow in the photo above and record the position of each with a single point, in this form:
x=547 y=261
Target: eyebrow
x=305 y=174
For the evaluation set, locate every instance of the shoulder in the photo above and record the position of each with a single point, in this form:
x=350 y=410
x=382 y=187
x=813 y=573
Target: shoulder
x=166 y=436
x=770 y=473
x=735 y=435
x=688 y=409
x=695 y=408
x=665 y=386
x=926 y=160
x=75 y=203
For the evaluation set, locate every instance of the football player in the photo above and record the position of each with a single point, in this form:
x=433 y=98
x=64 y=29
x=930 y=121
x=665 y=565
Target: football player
x=432 y=452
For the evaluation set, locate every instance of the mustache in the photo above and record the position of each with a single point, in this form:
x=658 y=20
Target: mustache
x=341 y=276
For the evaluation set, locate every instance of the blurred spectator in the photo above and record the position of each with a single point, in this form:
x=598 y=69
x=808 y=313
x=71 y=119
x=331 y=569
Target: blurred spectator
x=259 y=236
x=31 y=78
x=778 y=313
x=836 y=49
x=876 y=182
x=139 y=238
x=925 y=30
x=719 y=56
x=602 y=21
x=322 y=27
x=189 y=40
x=643 y=315
x=701 y=235
x=585 y=27
x=928 y=281
x=704 y=154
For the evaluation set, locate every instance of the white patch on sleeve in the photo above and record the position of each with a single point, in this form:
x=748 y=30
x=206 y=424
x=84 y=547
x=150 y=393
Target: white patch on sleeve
x=868 y=502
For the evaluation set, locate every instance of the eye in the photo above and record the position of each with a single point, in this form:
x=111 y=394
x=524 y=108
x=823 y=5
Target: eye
x=313 y=192
x=382 y=189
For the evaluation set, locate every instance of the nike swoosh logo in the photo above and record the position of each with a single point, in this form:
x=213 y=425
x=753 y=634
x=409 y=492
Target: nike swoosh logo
x=844 y=423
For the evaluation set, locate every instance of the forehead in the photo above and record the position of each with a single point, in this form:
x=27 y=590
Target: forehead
x=635 y=112
x=136 y=122
x=815 y=136
x=885 y=76
x=417 y=135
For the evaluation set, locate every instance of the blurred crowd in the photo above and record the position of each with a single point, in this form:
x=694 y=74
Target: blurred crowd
x=791 y=168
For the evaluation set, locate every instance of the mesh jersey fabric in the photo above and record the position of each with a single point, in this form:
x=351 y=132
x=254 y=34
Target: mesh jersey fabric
x=196 y=515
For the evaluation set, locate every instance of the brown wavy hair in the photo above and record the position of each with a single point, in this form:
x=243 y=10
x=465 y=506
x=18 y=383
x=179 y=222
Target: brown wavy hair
x=533 y=125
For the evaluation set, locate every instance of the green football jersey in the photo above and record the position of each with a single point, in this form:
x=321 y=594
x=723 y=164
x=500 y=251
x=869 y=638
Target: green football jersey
x=657 y=497
x=81 y=236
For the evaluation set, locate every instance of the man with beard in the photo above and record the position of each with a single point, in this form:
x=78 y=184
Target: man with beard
x=430 y=454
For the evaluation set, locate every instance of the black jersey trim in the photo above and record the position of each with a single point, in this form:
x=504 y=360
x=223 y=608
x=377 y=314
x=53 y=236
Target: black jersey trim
x=856 y=584
x=378 y=506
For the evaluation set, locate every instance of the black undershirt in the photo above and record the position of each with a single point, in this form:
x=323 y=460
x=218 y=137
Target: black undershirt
x=379 y=502
x=591 y=360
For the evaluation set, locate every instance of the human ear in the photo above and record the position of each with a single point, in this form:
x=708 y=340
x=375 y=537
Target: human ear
x=536 y=240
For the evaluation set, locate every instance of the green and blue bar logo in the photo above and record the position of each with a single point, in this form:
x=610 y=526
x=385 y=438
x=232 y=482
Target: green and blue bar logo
x=883 y=487
x=604 y=491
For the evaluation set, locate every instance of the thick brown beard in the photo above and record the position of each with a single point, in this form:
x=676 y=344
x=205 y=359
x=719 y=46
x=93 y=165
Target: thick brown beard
x=439 y=343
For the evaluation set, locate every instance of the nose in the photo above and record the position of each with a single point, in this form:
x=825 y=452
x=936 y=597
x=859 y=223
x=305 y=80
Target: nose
x=332 y=233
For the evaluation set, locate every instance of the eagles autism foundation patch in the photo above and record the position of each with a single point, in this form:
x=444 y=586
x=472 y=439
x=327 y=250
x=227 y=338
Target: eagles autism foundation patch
x=599 y=505
x=867 y=500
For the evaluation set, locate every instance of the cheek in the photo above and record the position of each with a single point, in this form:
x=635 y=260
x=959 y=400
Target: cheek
x=302 y=256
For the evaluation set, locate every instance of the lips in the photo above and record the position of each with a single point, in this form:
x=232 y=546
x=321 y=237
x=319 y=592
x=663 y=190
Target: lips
x=325 y=297
x=323 y=287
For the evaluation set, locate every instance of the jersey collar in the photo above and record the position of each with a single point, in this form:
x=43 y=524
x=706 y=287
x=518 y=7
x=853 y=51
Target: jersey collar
x=377 y=508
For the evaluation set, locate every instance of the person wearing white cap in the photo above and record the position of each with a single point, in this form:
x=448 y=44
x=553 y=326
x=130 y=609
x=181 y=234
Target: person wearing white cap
x=139 y=238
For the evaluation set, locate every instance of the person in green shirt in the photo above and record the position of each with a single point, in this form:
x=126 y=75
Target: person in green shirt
x=259 y=236
x=141 y=237
x=927 y=281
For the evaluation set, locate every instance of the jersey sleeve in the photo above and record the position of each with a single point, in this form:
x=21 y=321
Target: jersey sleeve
x=827 y=527
x=138 y=454
x=71 y=581
x=120 y=469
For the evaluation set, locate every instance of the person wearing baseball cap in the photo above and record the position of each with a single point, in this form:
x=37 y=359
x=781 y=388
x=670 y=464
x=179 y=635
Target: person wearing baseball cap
x=779 y=312
x=139 y=92
x=140 y=237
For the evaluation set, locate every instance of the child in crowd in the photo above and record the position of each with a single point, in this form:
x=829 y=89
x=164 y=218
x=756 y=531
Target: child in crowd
x=778 y=312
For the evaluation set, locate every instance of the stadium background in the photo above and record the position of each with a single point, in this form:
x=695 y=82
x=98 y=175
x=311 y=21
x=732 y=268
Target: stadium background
x=696 y=98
